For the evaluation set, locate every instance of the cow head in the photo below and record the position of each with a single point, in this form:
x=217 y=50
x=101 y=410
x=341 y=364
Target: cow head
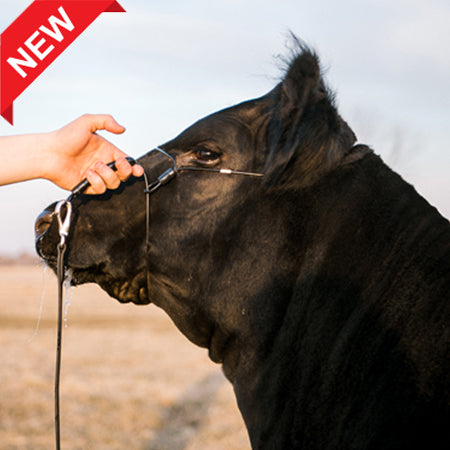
x=222 y=247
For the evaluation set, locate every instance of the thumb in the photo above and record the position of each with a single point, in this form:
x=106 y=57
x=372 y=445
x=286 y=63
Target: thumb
x=104 y=122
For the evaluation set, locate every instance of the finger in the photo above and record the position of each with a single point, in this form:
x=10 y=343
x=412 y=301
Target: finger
x=109 y=177
x=124 y=168
x=137 y=170
x=97 y=185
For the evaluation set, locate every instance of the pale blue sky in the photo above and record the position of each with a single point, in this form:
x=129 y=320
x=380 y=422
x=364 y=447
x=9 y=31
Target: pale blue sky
x=162 y=65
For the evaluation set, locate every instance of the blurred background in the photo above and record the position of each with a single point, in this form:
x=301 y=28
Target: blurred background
x=162 y=65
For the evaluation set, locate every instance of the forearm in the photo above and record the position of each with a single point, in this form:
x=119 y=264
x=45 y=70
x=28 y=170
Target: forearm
x=24 y=157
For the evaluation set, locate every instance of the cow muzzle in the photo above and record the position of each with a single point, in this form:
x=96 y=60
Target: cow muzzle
x=46 y=233
x=56 y=216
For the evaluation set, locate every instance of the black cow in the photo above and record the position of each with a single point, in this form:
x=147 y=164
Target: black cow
x=322 y=287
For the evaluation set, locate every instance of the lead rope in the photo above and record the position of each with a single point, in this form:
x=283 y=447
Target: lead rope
x=60 y=275
x=63 y=226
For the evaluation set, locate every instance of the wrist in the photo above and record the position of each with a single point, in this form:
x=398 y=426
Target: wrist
x=46 y=156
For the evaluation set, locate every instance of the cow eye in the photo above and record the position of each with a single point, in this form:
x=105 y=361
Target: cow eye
x=206 y=156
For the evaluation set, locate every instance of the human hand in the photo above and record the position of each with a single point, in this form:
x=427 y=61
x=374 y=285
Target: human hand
x=77 y=152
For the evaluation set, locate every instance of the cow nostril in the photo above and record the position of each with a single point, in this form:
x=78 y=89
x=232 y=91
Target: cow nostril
x=42 y=224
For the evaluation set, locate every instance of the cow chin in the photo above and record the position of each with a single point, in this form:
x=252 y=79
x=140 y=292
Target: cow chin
x=125 y=290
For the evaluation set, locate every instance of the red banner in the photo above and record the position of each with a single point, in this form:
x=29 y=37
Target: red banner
x=37 y=37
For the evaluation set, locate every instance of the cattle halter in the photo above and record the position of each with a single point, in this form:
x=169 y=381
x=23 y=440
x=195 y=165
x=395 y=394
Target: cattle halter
x=64 y=223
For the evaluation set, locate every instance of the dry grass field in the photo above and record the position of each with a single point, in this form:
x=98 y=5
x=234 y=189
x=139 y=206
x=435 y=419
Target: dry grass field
x=129 y=379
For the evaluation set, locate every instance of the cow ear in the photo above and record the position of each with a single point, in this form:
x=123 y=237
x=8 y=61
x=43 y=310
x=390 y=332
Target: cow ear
x=300 y=83
x=305 y=132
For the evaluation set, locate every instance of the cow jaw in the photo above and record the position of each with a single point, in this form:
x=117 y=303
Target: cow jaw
x=125 y=290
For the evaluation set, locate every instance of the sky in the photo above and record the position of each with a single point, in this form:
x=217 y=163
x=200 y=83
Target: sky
x=163 y=65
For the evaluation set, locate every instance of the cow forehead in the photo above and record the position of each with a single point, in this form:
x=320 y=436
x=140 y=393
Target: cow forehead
x=242 y=118
x=238 y=143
